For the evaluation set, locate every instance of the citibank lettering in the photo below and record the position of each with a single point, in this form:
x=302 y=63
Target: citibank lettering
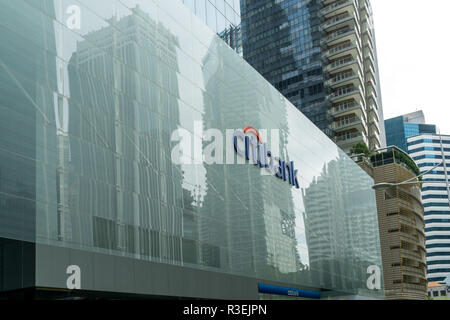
x=255 y=150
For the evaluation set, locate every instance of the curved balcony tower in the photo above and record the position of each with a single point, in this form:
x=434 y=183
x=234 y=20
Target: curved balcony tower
x=350 y=69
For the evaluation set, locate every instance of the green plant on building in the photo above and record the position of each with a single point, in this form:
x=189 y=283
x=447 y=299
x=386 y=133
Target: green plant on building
x=397 y=156
x=361 y=148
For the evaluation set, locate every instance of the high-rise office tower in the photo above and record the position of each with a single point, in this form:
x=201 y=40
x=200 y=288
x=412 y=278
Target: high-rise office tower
x=430 y=150
x=321 y=55
x=400 y=128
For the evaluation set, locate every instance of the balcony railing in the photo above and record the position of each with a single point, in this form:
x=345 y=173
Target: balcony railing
x=371 y=96
x=411 y=255
x=369 y=45
x=369 y=60
x=373 y=114
x=370 y=69
x=368 y=31
x=370 y=83
x=337 y=5
x=348 y=137
x=343 y=48
x=346 y=91
x=414 y=271
x=346 y=122
x=369 y=53
x=337 y=20
x=342 y=33
x=347 y=106
x=347 y=61
x=345 y=76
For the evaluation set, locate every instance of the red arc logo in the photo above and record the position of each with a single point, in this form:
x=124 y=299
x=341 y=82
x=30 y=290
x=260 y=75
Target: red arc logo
x=253 y=130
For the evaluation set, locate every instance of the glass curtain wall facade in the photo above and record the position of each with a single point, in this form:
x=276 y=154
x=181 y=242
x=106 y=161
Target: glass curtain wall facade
x=222 y=16
x=429 y=150
x=322 y=56
x=96 y=99
x=399 y=129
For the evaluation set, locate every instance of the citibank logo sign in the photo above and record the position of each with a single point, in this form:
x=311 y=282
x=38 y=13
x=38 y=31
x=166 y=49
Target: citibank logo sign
x=253 y=149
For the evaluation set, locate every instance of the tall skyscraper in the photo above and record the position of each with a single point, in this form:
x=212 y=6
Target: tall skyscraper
x=429 y=150
x=321 y=55
x=400 y=128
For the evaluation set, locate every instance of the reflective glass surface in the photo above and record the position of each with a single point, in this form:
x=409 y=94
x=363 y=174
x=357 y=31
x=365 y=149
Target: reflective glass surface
x=222 y=16
x=91 y=93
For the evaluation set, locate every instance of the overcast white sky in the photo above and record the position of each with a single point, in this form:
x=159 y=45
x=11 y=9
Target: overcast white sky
x=413 y=45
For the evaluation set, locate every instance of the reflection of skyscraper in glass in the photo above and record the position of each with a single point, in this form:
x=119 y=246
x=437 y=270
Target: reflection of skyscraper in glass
x=223 y=17
x=255 y=216
x=28 y=84
x=342 y=235
x=120 y=125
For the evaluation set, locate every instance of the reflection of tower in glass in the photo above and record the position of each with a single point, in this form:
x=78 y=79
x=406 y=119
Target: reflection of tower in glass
x=233 y=37
x=28 y=85
x=341 y=234
x=242 y=229
x=222 y=17
x=123 y=109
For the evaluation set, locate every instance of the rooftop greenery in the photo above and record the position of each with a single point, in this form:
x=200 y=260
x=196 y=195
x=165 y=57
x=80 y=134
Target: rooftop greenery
x=400 y=158
x=386 y=157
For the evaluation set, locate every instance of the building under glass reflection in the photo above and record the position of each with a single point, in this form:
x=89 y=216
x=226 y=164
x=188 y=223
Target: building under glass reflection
x=252 y=211
x=222 y=16
x=92 y=200
x=130 y=122
x=357 y=243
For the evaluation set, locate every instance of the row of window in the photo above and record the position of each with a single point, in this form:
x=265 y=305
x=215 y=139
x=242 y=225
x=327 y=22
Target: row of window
x=432 y=188
x=437 y=229
x=435 y=196
x=435 y=254
x=428 y=164
x=437 y=221
x=439 y=237
x=427 y=149
x=430 y=263
x=441 y=293
x=430 y=156
x=436 y=204
x=438 y=245
x=436 y=279
x=439 y=270
x=428 y=141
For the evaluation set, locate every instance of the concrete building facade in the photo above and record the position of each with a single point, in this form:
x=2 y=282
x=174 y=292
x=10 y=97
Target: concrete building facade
x=401 y=224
